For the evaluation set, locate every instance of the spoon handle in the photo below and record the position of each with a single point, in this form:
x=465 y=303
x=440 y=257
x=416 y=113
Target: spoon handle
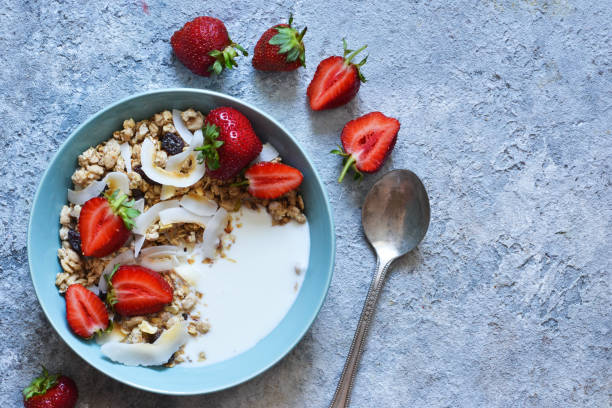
x=343 y=391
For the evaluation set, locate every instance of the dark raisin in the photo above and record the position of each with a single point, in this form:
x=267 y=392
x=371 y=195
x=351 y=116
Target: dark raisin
x=185 y=316
x=103 y=193
x=75 y=240
x=172 y=144
x=137 y=194
x=152 y=337
x=138 y=169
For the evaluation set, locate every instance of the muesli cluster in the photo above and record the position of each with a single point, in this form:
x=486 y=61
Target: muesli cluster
x=148 y=199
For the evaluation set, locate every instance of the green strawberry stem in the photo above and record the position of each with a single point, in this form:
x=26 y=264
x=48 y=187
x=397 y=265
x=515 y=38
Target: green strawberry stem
x=40 y=385
x=123 y=208
x=349 y=163
x=353 y=54
x=290 y=42
x=225 y=58
x=208 y=151
x=348 y=60
x=240 y=183
x=299 y=38
x=111 y=298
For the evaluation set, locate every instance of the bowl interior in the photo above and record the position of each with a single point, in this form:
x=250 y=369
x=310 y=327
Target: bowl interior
x=43 y=242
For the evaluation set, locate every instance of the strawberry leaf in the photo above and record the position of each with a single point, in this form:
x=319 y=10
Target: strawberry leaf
x=208 y=151
x=225 y=58
x=123 y=208
x=40 y=385
x=290 y=43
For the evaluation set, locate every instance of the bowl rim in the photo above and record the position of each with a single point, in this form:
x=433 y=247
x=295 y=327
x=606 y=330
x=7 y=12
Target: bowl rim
x=237 y=101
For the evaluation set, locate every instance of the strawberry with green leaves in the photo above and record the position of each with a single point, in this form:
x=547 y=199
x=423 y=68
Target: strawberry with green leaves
x=366 y=143
x=230 y=143
x=204 y=46
x=280 y=48
x=50 y=391
x=336 y=81
x=105 y=223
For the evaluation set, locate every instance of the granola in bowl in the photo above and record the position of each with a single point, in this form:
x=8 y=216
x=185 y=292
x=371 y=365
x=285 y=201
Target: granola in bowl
x=156 y=216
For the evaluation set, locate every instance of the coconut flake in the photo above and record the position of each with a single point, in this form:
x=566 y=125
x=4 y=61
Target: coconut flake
x=180 y=126
x=114 y=335
x=117 y=180
x=147 y=218
x=170 y=177
x=268 y=153
x=212 y=233
x=138 y=242
x=160 y=258
x=124 y=258
x=181 y=215
x=199 y=205
x=146 y=354
x=80 y=197
x=126 y=154
x=167 y=192
x=139 y=205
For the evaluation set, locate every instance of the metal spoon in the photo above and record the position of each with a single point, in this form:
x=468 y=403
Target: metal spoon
x=395 y=218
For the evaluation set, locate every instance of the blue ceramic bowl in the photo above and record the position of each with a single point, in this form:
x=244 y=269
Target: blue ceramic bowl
x=43 y=242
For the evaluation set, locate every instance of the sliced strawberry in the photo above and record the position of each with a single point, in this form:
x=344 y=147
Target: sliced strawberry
x=105 y=224
x=85 y=312
x=136 y=290
x=367 y=142
x=336 y=80
x=271 y=180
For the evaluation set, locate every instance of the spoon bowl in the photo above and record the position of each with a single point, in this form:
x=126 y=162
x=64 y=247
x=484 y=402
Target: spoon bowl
x=395 y=218
x=395 y=215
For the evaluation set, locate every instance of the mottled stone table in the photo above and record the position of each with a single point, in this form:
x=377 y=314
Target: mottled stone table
x=506 y=112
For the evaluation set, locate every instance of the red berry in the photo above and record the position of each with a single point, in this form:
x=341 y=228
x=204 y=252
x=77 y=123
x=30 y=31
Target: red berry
x=280 y=48
x=336 y=81
x=367 y=141
x=135 y=290
x=230 y=143
x=85 y=312
x=105 y=223
x=203 y=45
x=50 y=391
x=271 y=180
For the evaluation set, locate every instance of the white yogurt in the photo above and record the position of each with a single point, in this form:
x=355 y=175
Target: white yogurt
x=247 y=293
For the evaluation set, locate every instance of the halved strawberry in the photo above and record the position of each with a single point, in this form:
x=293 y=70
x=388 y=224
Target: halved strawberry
x=367 y=142
x=105 y=224
x=136 y=290
x=271 y=180
x=85 y=312
x=336 y=81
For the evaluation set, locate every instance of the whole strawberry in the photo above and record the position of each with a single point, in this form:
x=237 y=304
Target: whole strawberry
x=280 y=48
x=366 y=143
x=230 y=143
x=336 y=80
x=203 y=45
x=50 y=391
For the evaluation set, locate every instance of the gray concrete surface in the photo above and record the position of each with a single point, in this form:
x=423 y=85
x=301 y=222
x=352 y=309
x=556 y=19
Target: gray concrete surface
x=506 y=113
